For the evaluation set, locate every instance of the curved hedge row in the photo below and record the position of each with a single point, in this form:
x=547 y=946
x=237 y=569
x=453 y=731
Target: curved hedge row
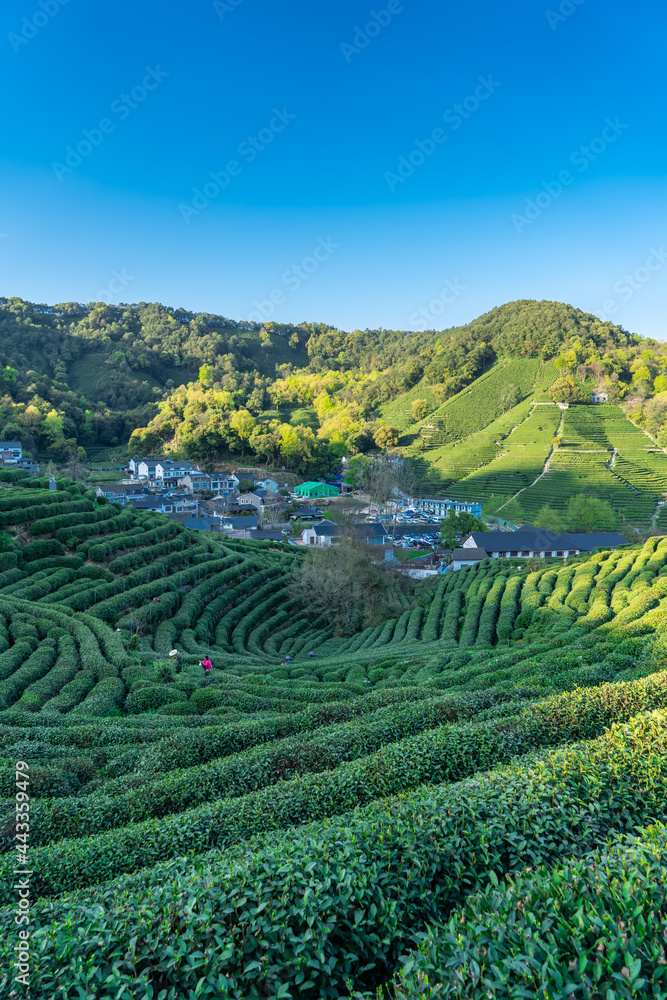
x=273 y=900
x=533 y=936
x=361 y=775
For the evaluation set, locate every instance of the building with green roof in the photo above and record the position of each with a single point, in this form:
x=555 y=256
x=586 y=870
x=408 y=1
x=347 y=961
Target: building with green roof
x=313 y=490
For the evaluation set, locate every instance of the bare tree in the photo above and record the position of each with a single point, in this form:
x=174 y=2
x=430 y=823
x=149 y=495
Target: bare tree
x=342 y=582
x=389 y=477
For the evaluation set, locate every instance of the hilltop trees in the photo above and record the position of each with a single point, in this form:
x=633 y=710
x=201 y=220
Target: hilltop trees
x=386 y=437
x=175 y=378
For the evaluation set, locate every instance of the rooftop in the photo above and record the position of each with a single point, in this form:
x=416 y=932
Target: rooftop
x=468 y=555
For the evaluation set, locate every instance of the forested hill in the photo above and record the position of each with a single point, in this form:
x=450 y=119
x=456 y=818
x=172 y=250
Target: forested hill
x=89 y=375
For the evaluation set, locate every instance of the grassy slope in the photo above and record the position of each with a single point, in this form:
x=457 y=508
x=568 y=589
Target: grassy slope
x=233 y=804
x=490 y=456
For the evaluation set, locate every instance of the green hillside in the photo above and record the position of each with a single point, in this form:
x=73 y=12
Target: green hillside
x=500 y=457
x=149 y=379
x=303 y=829
x=162 y=378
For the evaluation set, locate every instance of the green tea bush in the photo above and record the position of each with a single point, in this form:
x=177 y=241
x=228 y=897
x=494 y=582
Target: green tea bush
x=475 y=599
x=44 y=547
x=106 y=698
x=69 y=536
x=432 y=624
x=486 y=631
x=265 y=912
x=36 y=695
x=355 y=773
x=593 y=928
x=68 y=515
x=147 y=699
x=34 y=668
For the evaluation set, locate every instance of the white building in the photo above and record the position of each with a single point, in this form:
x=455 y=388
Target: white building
x=10 y=452
x=324 y=533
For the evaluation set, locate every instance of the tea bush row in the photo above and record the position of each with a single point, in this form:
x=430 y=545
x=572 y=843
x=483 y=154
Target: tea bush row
x=322 y=902
x=592 y=927
x=434 y=755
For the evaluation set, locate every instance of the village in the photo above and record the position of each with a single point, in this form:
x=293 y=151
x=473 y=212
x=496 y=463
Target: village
x=404 y=531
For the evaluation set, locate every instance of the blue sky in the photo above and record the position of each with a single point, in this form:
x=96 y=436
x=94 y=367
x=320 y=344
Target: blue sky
x=404 y=164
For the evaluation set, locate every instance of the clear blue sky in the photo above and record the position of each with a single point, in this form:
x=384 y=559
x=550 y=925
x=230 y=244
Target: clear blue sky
x=335 y=200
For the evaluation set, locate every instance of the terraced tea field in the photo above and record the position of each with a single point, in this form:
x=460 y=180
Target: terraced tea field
x=339 y=823
x=601 y=454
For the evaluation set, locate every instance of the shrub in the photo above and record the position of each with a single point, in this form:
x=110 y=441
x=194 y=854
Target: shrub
x=432 y=754
x=543 y=930
x=444 y=841
x=147 y=699
x=106 y=698
x=37 y=550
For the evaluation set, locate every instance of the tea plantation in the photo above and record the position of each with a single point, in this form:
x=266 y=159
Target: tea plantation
x=464 y=801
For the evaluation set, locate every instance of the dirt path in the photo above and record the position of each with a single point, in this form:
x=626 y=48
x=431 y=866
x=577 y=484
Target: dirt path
x=547 y=464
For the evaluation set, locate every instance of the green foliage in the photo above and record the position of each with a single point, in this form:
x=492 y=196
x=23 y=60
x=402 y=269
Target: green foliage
x=566 y=803
x=590 y=514
x=456 y=527
x=535 y=933
x=158 y=788
x=567 y=390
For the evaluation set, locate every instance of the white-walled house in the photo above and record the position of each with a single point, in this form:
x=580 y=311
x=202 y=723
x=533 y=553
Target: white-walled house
x=324 y=533
x=10 y=452
x=526 y=542
x=144 y=468
x=168 y=469
x=530 y=542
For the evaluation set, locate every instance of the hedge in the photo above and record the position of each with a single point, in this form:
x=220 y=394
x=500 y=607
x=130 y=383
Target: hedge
x=71 y=535
x=34 y=668
x=322 y=902
x=36 y=695
x=474 y=602
x=432 y=624
x=44 y=547
x=105 y=698
x=590 y=928
x=362 y=774
x=72 y=693
x=68 y=517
